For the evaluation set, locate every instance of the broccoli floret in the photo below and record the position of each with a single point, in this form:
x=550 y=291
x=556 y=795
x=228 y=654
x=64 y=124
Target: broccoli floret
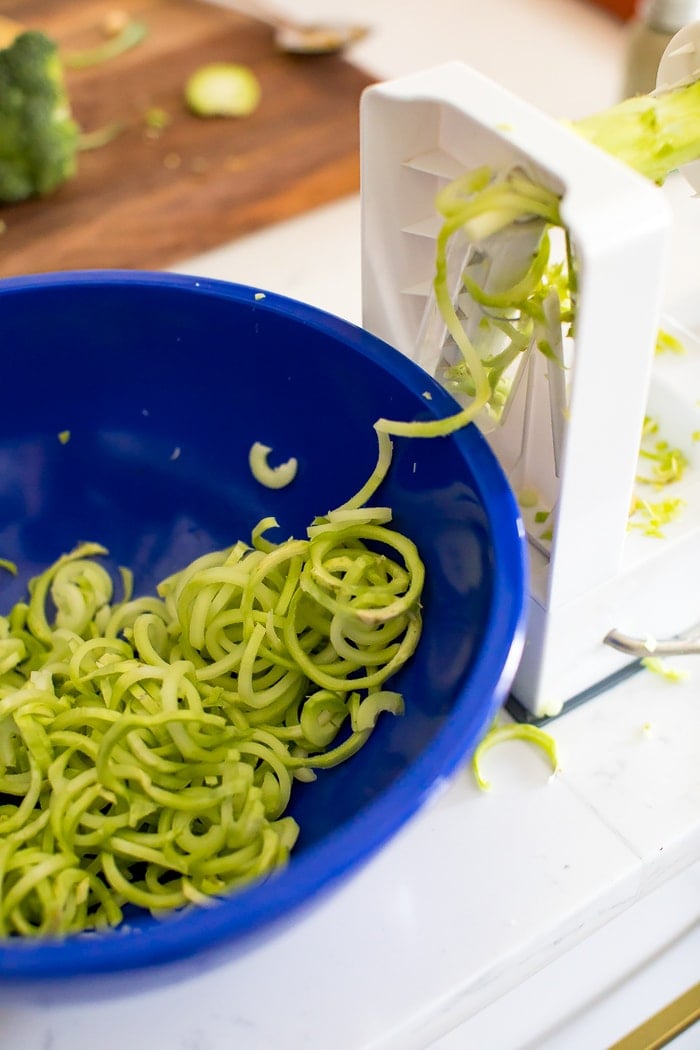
x=38 y=136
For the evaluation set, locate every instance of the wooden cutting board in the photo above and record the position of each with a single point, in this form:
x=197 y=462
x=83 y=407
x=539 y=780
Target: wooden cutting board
x=148 y=200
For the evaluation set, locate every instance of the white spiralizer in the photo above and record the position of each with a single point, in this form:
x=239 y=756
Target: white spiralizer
x=571 y=433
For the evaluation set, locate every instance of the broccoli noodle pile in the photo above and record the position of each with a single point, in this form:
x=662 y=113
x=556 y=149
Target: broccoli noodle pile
x=148 y=746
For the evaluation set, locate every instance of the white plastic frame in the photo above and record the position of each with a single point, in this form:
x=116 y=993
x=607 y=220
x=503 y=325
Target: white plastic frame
x=419 y=131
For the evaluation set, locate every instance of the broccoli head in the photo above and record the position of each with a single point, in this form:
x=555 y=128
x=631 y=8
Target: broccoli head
x=38 y=136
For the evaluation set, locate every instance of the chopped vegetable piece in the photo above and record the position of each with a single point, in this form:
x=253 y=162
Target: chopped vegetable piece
x=661 y=667
x=223 y=89
x=667 y=342
x=64 y=436
x=271 y=477
x=156 y=119
x=129 y=36
x=513 y=731
x=528 y=498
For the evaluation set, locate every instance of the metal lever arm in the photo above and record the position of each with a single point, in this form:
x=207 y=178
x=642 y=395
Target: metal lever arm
x=625 y=643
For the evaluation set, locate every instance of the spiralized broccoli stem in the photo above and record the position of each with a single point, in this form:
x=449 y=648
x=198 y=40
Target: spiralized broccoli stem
x=478 y=205
x=149 y=746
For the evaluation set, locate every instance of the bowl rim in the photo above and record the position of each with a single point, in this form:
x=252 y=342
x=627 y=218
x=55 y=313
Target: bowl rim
x=322 y=865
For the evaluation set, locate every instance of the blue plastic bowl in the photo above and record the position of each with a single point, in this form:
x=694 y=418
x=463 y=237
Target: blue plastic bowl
x=164 y=382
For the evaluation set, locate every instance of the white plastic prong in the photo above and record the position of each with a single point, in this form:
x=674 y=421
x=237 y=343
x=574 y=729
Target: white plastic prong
x=679 y=65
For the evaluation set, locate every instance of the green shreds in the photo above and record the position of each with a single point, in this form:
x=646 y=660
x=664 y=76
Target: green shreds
x=653 y=135
x=480 y=205
x=660 y=464
x=651 y=516
x=149 y=746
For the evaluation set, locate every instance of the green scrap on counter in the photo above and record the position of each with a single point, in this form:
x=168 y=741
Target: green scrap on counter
x=657 y=665
x=499 y=733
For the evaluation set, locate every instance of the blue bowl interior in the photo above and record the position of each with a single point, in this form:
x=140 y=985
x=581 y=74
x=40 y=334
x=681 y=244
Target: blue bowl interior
x=164 y=383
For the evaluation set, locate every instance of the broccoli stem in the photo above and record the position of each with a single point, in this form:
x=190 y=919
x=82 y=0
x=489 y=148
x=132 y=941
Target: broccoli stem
x=654 y=134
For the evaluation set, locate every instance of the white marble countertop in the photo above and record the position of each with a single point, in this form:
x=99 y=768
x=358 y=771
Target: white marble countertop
x=493 y=919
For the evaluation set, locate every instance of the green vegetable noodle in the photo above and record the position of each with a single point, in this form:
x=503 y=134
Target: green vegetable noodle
x=500 y=733
x=38 y=136
x=271 y=477
x=149 y=746
x=131 y=34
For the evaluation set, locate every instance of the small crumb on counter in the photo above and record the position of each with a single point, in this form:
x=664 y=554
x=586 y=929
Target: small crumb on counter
x=664 y=669
x=156 y=120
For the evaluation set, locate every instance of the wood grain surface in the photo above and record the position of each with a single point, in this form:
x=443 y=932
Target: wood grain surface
x=148 y=200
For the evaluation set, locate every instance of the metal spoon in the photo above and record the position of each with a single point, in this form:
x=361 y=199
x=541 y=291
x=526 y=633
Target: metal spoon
x=318 y=38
